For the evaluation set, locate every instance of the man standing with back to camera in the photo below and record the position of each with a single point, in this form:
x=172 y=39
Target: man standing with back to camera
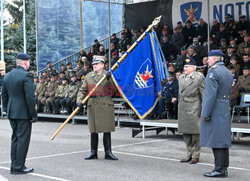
x=18 y=94
x=215 y=117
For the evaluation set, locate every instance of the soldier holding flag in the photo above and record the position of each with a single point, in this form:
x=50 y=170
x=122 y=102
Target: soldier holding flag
x=100 y=108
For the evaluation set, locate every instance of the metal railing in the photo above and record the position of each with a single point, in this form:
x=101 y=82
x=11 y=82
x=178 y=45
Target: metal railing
x=73 y=58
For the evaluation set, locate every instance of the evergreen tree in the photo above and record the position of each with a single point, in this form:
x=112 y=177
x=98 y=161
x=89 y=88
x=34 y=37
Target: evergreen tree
x=14 y=32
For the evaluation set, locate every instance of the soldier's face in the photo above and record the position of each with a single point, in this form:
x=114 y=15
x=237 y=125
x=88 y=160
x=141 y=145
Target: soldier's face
x=73 y=79
x=41 y=80
x=245 y=72
x=205 y=59
x=211 y=61
x=188 y=69
x=98 y=67
x=53 y=78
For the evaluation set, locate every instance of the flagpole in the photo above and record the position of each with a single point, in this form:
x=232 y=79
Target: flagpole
x=24 y=28
x=2 y=32
x=155 y=22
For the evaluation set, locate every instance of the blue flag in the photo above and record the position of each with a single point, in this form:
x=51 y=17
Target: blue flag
x=138 y=78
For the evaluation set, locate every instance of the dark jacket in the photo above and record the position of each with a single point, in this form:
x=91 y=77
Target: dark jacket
x=169 y=50
x=188 y=34
x=215 y=29
x=202 y=31
x=18 y=94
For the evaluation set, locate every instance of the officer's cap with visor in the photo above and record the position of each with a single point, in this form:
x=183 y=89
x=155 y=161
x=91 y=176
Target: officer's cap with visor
x=98 y=59
x=23 y=56
x=190 y=61
x=215 y=53
x=73 y=75
x=54 y=74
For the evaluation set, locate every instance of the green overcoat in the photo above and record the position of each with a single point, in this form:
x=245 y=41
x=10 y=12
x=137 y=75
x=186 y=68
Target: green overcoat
x=189 y=108
x=100 y=107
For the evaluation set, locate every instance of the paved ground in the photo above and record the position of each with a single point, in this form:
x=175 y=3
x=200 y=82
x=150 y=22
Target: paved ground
x=154 y=158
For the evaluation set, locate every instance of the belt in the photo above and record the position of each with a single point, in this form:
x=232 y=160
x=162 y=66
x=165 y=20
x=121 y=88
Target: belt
x=97 y=96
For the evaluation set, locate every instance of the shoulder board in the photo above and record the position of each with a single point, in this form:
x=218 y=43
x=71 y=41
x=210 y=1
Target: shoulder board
x=182 y=75
x=30 y=75
x=214 y=66
x=199 y=73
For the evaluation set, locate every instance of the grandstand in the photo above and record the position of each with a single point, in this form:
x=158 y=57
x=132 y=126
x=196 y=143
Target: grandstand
x=180 y=37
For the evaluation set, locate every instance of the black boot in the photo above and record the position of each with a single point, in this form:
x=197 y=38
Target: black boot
x=107 y=146
x=94 y=145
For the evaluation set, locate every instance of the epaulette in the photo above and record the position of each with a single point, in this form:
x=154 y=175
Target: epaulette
x=199 y=73
x=30 y=75
x=214 y=66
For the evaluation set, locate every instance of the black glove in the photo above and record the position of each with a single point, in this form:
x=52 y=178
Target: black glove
x=108 y=75
x=47 y=96
x=34 y=119
x=79 y=104
x=207 y=118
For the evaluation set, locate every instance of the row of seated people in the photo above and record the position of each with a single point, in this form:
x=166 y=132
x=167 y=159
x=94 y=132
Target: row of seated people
x=223 y=35
x=61 y=95
x=53 y=96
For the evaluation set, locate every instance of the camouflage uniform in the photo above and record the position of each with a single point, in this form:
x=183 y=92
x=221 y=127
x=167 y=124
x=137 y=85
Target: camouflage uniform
x=244 y=84
x=70 y=96
x=49 y=94
x=40 y=94
x=59 y=95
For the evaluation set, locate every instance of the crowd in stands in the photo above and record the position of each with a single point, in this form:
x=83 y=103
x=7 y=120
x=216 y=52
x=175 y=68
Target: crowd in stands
x=57 y=90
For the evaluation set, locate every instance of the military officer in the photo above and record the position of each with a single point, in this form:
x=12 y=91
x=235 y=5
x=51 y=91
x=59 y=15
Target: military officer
x=80 y=69
x=100 y=108
x=46 y=78
x=191 y=87
x=18 y=94
x=244 y=81
x=215 y=117
x=69 y=70
x=59 y=95
x=50 y=69
x=69 y=102
x=50 y=93
x=40 y=93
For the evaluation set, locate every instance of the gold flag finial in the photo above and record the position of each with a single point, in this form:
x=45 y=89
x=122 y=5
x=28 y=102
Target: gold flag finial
x=157 y=20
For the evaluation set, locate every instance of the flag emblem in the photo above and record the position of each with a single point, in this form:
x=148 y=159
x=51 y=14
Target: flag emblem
x=191 y=11
x=144 y=76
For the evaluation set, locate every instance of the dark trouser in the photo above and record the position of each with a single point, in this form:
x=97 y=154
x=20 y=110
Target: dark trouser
x=221 y=158
x=160 y=107
x=21 y=132
x=68 y=103
x=55 y=102
x=39 y=106
x=172 y=109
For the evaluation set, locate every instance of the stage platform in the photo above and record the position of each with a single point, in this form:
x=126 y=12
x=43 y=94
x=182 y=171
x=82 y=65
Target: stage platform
x=118 y=119
x=141 y=126
x=166 y=124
